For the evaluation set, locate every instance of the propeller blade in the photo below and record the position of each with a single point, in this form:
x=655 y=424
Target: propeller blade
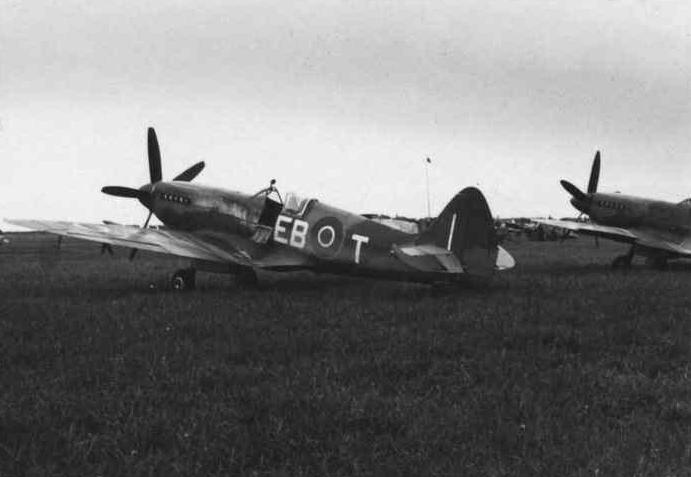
x=573 y=190
x=594 y=174
x=133 y=252
x=155 y=173
x=190 y=173
x=119 y=191
x=146 y=222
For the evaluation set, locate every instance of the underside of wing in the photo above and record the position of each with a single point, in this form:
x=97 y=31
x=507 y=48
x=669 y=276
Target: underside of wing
x=170 y=242
x=283 y=260
x=641 y=237
x=605 y=231
x=680 y=248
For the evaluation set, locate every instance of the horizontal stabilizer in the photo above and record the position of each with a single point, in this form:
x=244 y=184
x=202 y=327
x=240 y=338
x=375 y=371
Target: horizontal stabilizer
x=428 y=258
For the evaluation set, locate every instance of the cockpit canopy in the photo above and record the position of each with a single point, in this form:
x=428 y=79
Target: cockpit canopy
x=295 y=204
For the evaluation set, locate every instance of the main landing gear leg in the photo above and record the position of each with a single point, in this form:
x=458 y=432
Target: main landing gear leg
x=623 y=261
x=184 y=279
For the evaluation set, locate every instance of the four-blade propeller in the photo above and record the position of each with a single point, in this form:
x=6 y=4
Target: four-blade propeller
x=155 y=174
x=577 y=193
x=145 y=192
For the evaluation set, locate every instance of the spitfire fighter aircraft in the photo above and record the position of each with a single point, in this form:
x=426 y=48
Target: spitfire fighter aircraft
x=655 y=229
x=230 y=232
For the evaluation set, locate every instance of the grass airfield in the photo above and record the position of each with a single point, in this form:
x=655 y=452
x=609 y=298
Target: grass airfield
x=560 y=367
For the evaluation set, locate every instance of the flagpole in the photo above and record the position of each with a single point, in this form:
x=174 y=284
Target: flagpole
x=427 y=162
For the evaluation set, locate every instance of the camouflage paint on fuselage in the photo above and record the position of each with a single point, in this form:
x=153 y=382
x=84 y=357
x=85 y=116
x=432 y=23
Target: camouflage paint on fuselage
x=620 y=210
x=191 y=207
x=329 y=238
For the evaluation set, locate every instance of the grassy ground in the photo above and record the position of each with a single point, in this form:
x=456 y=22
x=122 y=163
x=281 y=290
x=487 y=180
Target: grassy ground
x=562 y=367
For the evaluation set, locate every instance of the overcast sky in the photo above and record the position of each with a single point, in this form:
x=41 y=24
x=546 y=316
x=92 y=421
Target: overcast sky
x=343 y=100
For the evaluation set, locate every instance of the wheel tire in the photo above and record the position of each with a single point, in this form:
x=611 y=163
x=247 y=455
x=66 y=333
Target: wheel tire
x=178 y=282
x=183 y=280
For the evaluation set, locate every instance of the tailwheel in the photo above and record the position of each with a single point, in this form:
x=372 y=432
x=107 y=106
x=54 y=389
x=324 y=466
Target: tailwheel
x=184 y=279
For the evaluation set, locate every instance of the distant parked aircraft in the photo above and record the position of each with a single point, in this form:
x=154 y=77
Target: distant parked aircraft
x=655 y=229
x=510 y=228
x=231 y=232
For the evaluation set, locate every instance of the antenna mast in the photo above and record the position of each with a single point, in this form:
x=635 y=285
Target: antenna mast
x=428 y=161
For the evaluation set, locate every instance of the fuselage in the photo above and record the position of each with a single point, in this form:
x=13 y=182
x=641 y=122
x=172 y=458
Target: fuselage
x=620 y=210
x=305 y=232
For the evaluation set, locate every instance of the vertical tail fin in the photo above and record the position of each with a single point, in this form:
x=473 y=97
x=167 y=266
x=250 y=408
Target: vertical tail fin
x=466 y=228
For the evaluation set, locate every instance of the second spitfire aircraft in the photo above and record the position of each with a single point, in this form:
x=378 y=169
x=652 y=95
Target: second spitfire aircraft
x=231 y=232
x=655 y=229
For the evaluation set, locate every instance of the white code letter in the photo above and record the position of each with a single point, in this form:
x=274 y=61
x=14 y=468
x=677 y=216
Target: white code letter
x=359 y=240
x=297 y=237
x=280 y=232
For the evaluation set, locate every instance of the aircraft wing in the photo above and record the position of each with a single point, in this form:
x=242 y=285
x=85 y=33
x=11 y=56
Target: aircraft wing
x=170 y=242
x=648 y=238
x=605 y=231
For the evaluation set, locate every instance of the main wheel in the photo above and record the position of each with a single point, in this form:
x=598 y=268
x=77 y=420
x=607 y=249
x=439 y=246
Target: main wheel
x=184 y=279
